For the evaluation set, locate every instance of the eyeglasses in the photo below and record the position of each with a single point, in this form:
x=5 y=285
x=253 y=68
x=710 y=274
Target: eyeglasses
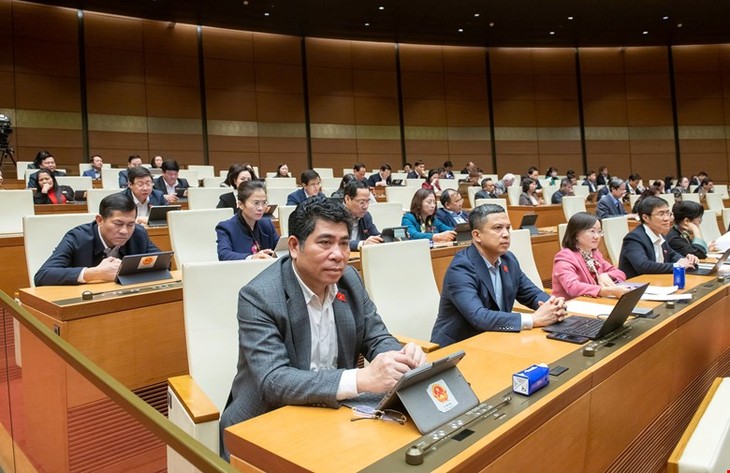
x=595 y=233
x=663 y=214
x=258 y=204
x=367 y=412
x=362 y=202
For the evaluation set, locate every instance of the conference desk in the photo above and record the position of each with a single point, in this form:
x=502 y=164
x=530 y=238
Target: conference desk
x=137 y=337
x=622 y=410
x=78 y=207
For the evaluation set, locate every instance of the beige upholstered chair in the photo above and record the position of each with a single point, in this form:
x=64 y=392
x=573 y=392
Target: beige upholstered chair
x=614 y=230
x=192 y=234
x=15 y=205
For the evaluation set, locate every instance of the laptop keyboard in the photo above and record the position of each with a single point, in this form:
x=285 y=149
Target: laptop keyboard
x=585 y=328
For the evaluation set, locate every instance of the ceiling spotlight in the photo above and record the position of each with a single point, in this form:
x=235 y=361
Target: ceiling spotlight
x=645 y=32
x=665 y=18
x=552 y=33
x=476 y=15
x=491 y=24
x=267 y=13
x=367 y=24
x=381 y=8
x=460 y=30
x=245 y=2
x=679 y=25
x=570 y=18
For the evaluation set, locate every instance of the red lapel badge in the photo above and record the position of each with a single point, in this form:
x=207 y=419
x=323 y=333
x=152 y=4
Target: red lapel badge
x=341 y=297
x=504 y=268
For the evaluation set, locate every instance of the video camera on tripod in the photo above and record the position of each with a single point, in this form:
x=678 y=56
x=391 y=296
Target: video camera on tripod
x=6 y=128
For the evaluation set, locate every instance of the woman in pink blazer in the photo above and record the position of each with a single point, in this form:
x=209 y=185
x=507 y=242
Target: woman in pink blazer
x=579 y=268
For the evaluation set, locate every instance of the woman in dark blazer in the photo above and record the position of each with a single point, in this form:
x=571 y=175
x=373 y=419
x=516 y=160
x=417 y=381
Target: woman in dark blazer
x=47 y=190
x=247 y=235
x=237 y=174
x=685 y=236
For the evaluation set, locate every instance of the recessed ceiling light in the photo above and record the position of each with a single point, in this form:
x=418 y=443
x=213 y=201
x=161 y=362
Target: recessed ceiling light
x=570 y=17
x=267 y=13
x=665 y=18
x=679 y=25
x=245 y=2
x=381 y=8
x=367 y=24
x=491 y=24
x=552 y=32
x=645 y=32
x=460 y=30
x=476 y=15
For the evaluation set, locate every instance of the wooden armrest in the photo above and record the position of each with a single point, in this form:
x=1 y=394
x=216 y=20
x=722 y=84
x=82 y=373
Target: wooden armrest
x=197 y=404
x=427 y=347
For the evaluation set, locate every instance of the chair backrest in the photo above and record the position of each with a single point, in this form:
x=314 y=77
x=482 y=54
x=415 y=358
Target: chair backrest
x=399 y=279
x=77 y=183
x=548 y=191
x=501 y=202
x=561 y=233
x=403 y=194
x=386 y=215
x=572 y=204
x=284 y=212
x=417 y=182
x=449 y=184
x=205 y=197
x=287 y=182
x=709 y=228
x=614 y=231
x=110 y=177
x=471 y=191
x=192 y=234
x=210 y=305
x=191 y=176
x=632 y=199
x=20 y=167
x=721 y=189
x=714 y=201
x=42 y=233
x=694 y=197
x=668 y=197
x=202 y=171
x=325 y=172
x=95 y=196
x=278 y=195
x=331 y=183
x=15 y=205
x=521 y=247
x=214 y=181
x=398 y=175
x=726 y=219
x=581 y=190
x=514 y=192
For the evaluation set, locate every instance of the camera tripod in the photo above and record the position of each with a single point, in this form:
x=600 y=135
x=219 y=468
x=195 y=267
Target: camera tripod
x=7 y=153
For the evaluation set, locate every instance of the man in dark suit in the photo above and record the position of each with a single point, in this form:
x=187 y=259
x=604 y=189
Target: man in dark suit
x=133 y=161
x=419 y=171
x=634 y=185
x=93 y=251
x=611 y=204
x=142 y=194
x=482 y=283
x=381 y=178
x=96 y=164
x=357 y=201
x=168 y=183
x=590 y=181
x=566 y=188
x=47 y=162
x=311 y=186
x=644 y=250
x=451 y=213
x=487 y=191
x=303 y=322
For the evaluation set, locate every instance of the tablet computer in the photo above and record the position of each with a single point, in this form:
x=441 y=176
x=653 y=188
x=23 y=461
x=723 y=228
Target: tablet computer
x=142 y=268
x=158 y=215
x=392 y=234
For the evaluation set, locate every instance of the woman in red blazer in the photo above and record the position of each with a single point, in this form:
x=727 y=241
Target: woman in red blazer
x=579 y=268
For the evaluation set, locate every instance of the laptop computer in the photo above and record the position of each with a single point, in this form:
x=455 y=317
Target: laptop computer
x=397 y=182
x=148 y=267
x=391 y=234
x=463 y=232
x=270 y=210
x=282 y=247
x=594 y=329
x=699 y=271
x=432 y=394
x=158 y=215
x=528 y=223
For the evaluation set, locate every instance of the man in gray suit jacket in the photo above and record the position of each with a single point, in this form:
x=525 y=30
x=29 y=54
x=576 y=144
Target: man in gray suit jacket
x=303 y=322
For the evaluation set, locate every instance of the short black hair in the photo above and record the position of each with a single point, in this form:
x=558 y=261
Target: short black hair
x=577 y=223
x=634 y=177
x=40 y=156
x=419 y=162
x=304 y=218
x=358 y=166
x=386 y=167
x=479 y=215
x=138 y=172
x=352 y=187
x=687 y=209
x=132 y=157
x=448 y=164
x=647 y=206
x=565 y=181
x=485 y=180
x=235 y=170
x=247 y=188
x=531 y=170
x=119 y=201
x=309 y=175
x=91 y=159
x=170 y=165
x=446 y=196
x=526 y=183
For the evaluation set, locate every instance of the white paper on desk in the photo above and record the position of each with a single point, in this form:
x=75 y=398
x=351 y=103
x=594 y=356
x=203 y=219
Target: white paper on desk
x=723 y=243
x=588 y=308
x=667 y=297
x=652 y=290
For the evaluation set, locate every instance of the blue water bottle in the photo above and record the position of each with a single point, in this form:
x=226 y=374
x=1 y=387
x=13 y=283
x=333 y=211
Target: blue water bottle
x=679 y=276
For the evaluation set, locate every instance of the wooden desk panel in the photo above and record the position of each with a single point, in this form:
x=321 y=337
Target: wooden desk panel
x=621 y=414
x=14 y=274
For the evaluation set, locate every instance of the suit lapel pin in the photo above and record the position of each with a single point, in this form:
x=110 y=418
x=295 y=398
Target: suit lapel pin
x=504 y=268
x=341 y=297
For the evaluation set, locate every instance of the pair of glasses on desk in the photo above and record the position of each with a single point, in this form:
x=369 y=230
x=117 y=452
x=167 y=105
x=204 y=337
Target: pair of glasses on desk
x=367 y=412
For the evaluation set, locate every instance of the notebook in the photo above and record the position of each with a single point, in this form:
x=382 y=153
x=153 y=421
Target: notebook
x=528 y=223
x=432 y=394
x=713 y=269
x=158 y=215
x=392 y=234
x=136 y=269
x=597 y=328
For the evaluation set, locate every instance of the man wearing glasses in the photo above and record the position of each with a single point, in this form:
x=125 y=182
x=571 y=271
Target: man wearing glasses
x=357 y=201
x=644 y=250
x=304 y=321
x=452 y=214
x=141 y=192
x=311 y=186
x=93 y=251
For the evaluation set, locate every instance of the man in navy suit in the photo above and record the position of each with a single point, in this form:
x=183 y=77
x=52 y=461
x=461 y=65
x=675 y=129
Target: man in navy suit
x=142 y=194
x=93 y=251
x=644 y=250
x=96 y=164
x=169 y=182
x=590 y=181
x=47 y=162
x=357 y=201
x=482 y=283
x=451 y=213
x=133 y=161
x=611 y=204
x=381 y=178
x=311 y=186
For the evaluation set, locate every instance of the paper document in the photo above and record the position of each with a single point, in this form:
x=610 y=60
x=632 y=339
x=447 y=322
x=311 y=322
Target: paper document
x=588 y=308
x=665 y=297
x=653 y=290
x=723 y=243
